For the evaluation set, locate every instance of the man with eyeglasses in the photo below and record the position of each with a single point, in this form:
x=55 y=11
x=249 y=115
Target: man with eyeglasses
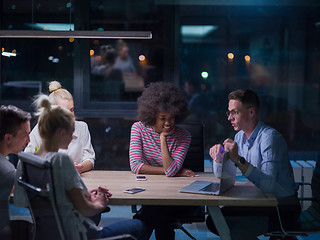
x=14 y=136
x=261 y=154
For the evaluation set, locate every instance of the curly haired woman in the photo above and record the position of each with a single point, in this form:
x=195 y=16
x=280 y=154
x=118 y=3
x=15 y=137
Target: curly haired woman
x=157 y=146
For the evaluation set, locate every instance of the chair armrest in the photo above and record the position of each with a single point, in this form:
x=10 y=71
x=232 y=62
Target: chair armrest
x=31 y=188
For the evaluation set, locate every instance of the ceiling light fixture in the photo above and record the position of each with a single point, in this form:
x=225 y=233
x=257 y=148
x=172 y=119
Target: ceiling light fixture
x=197 y=31
x=76 y=34
x=8 y=54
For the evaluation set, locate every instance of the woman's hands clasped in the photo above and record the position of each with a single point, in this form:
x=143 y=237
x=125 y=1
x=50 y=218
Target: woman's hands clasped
x=100 y=196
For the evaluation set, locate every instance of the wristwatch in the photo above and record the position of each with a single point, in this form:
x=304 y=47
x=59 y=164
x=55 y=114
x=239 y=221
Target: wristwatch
x=240 y=162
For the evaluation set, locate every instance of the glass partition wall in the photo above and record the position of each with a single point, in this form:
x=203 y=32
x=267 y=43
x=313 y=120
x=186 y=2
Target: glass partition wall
x=208 y=48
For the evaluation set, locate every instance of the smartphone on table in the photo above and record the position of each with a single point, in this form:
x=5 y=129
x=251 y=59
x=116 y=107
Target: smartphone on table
x=134 y=190
x=141 y=178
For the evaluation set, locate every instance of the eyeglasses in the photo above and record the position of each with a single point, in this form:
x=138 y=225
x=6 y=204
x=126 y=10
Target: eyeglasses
x=234 y=112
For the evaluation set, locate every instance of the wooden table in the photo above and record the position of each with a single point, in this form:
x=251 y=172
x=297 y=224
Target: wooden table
x=162 y=190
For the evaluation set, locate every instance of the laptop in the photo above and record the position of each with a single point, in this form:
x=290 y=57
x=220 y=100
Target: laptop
x=227 y=180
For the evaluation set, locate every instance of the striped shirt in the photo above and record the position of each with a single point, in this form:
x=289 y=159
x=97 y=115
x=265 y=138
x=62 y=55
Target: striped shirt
x=145 y=148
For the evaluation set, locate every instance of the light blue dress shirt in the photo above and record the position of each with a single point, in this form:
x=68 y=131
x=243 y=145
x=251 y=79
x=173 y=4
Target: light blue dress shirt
x=267 y=151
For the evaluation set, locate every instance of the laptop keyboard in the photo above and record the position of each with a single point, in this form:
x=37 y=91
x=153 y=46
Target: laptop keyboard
x=212 y=187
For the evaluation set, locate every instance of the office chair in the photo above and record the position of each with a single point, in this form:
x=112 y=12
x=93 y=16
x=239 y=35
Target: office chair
x=37 y=180
x=194 y=160
x=309 y=221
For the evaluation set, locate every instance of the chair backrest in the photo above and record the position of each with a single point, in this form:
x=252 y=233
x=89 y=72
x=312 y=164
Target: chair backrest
x=195 y=156
x=37 y=180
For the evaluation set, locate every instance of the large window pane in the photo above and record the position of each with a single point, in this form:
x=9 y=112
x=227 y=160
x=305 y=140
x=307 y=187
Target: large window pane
x=273 y=51
x=214 y=46
x=35 y=63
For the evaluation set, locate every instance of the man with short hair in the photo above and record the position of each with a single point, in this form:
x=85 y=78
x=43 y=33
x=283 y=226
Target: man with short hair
x=14 y=136
x=261 y=154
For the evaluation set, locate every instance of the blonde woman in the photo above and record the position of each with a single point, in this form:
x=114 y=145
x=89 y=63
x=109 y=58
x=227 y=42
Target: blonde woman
x=56 y=125
x=80 y=148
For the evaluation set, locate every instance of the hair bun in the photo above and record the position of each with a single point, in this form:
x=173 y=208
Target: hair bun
x=44 y=102
x=54 y=86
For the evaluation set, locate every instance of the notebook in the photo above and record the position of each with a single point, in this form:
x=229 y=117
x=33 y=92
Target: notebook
x=227 y=180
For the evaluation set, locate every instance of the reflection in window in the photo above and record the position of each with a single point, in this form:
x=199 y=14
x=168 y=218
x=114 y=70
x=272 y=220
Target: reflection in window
x=120 y=70
x=36 y=62
x=257 y=52
x=205 y=48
